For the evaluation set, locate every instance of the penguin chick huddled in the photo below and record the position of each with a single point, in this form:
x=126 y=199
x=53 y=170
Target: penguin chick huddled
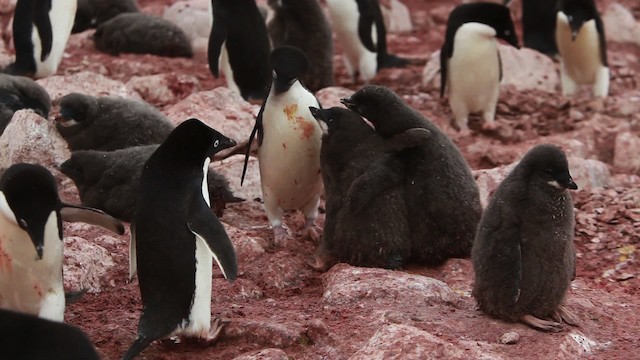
x=92 y=13
x=441 y=195
x=360 y=29
x=523 y=256
x=109 y=123
x=289 y=140
x=362 y=228
x=18 y=92
x=139 y=33
x=582 y=46
x=470 y=65
x=302 y=23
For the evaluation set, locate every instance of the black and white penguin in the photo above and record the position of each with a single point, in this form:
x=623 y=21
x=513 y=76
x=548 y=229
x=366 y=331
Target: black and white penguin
x=289 y=140
x=523 y=255
x=538 y=25
x=47 y=339
x=139 y=33
x=31 y=247
x=582 y=46
x=239 y=45
x=469 y=60
x=91 y=13
x=41 y=29
x=110 y=180
x=173 y=226
x=18 y=92
x=359 y=27
x=302 y=23
x=442 y=197
x=110 y=123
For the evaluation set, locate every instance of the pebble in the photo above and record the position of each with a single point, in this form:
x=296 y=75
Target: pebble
x=509 y=338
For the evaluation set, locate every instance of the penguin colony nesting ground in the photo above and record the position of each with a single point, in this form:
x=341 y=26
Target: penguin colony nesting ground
x=523 y=256
x=18 y=92
x=91 y=13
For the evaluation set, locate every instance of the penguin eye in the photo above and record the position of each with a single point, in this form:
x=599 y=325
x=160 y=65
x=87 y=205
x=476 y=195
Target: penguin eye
x=23 y=224
x=274 y=74
x=216 y=143
x=507 y=33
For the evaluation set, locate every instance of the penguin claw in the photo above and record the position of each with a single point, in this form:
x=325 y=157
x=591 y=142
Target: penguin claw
x=216 y=329
x=539 y=324
x=564 y=315
x=311 y=232
x=281 y=235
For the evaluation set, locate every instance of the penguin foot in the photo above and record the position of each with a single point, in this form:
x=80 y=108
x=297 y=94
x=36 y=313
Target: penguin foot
x=563 y=314
x=539 y=324
x=311 y=231
x=216 y=330
x=489 y=126
x=281 y=234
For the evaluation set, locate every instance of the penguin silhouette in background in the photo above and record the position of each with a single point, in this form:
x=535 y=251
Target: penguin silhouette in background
x=538 y=25
x=19 y=92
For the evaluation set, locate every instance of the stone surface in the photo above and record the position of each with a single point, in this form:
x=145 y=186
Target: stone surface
x=266 y=332
x=620 y=25
x=625 y=155
x=396 y=16
x=330 y=97
x=192 y=16
x=231 y=168
x=265 y=354
x=7 y=6
x=84 y=82
x=509 y=338
x=86 y=265
x=163 y=89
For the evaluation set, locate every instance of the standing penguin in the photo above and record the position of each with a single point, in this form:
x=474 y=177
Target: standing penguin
x=41 y=29
x=523 y=256
x=538 y=25
x=239 y=44
x=582 y=47
x=441 y=195
x=174 y=236
x=302 y=23
x=31 y=215
x=359 y=26
x=469 y=60
x=289 y=140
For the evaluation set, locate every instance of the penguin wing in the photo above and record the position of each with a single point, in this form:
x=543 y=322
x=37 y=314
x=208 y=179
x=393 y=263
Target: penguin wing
x=365 y=24
x=257 y=128
x=380 y=175
x=445 y=55
x=205 y=225
x=216 y=39
x=407 y=139
x=42 y=21
x=602 y=42
x=500 y=66
x=74 y=213
x=133 y=260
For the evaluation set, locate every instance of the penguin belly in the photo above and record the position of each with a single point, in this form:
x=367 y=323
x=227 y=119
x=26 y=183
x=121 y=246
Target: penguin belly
x=580 y=57
x=28 y=284
x=61 y=15
x=474 y=70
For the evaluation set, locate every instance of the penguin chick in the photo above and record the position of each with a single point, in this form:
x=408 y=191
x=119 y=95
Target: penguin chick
x=110 y=180
x=302 y=23
x=353 y=155
x=470 y=64
x=50 y=340
x=441 y=195
x=31 y=215
x=91 y=13
x=17 y=92
x=109 y=123
x=289 y=140
x=173 y=226
x=140 y=33
x=523 y=256
x=582 y=46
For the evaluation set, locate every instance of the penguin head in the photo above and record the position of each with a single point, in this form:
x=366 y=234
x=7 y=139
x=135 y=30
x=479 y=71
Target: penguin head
x=547 y=164
x=76 y=109
x=24 y=93
x=288 y=64
x=577 y=12
x=338 y=119
x=494 y=15
x=29 y=196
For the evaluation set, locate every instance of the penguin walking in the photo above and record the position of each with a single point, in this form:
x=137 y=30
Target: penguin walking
x=523 y=256
x=19 y=92
x=441 y=195
x=31 y=248
x=470 y=62
x=359 y=27
x=289 y=140
x=173 y=227
x=41 y=29
x=239 y=45
x=583 y=50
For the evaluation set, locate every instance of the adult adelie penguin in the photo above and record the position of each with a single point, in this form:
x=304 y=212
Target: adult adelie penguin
x=359 y=26
x=523 y=256
x=441 y=195
x=174 y=236
x=289 y=140
x=31 y=215
x=469 y=60
x=538 y=25
x=41 y=29
x=239 y=45
x=582 y=47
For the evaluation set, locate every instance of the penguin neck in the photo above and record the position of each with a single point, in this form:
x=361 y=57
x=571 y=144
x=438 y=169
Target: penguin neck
x=281 y=87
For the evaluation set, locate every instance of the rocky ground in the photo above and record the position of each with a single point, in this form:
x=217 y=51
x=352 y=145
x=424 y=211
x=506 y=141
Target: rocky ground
x=279 y=308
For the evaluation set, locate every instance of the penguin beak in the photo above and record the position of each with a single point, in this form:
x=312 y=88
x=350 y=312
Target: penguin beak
x=317 y=114
x=39 y=251
x=350 y=104
x=571 y=184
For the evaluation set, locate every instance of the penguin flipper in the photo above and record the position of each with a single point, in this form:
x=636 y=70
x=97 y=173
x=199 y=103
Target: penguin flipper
x=141 y=343
x=379 y=176
x=602 y=42
x=257 y=129
x=41 y=19
x=205 y=225
x=74 y=213
x=407 y=139
x=365 y=24
x=133 y=260
x=216 y=39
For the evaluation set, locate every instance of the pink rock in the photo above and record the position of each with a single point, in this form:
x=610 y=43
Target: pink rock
x=578 y=345
x=589 y=173
x=248 y=248
x=330 y=97
x=231 y=168
x=163 y=89
x=488 y=181
x=239 y=291
x=625 y=155
x=192 y=16
x=265 y=332
x=620 y=24
x=84 y=82
x=440 y=14
x=86 y=265
x=7 y=6
x=396 y=16
x=265 y=354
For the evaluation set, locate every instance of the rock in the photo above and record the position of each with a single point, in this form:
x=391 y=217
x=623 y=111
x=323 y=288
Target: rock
x=86 y=265
x=265 y=354
x=265 y=332
x=330 y=97
x=7 y=6
x=280 y=271
x=589 y=173
x=239 y=291
x=396 y=16
x=85 y=82
x=488 y=181
x=626 y=105
x=620 y=25
x=578 y=345
x=248 y=248
x=625 y=153
x=403 y=342
x=344 y=284
x=231 y=168
x=440 y=14
x=192 y=16
x=509 y=338
x=163 y=89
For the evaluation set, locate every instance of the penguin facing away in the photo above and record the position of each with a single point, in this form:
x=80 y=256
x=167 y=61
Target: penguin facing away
x=31 y=248
x=523 y=255
x=174 y=226
x=18 y=92
x=470 y=64
x=538 y=25
x=91 y=13
x=359 y=27
x=41 y=29
x=289 y=141
x=242 y=54
x=582 y=46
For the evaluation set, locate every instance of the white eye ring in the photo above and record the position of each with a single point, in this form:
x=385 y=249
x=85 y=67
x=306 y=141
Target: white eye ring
x=216 y=143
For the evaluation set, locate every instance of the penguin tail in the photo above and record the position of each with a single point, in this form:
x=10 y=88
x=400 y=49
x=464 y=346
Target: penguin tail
x=73 y=296
x=141 y=343
x=392 y=61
